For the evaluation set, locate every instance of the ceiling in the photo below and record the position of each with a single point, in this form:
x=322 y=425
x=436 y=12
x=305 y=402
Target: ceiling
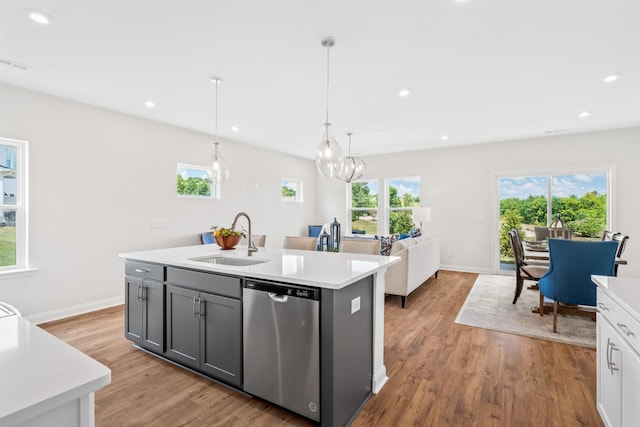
x=478 y=71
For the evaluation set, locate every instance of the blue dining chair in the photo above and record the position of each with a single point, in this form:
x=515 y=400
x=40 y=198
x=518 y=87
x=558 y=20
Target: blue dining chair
x=568 y=281
x=206 y=238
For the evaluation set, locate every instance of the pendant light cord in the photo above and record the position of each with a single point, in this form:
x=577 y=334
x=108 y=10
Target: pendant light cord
x=329 y=44
x=215 y=131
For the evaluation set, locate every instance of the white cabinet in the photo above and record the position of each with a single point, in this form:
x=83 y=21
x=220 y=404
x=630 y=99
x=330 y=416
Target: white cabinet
x=618 y=362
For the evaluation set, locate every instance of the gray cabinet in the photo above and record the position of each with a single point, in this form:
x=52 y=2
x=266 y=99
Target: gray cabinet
x=145 y=306
x=204 y=330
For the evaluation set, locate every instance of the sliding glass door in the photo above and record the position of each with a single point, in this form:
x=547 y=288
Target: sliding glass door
x=530 y=203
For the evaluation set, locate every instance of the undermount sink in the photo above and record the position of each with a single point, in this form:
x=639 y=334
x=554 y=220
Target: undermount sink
x=225 y=260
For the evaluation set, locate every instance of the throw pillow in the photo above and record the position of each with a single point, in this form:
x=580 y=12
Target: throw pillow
x=386 y=243
x=415 y=232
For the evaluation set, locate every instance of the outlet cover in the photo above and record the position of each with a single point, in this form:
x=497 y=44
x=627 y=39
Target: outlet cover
x=355 y=305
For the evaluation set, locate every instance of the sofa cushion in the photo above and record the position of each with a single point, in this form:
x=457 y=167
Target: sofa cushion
x=401 y=244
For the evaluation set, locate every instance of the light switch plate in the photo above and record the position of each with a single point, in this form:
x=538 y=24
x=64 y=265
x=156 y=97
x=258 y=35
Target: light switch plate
x=355 y=305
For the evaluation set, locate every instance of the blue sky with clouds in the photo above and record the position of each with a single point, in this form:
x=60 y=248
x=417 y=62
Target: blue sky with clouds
x=561 y=185
x=404 y=185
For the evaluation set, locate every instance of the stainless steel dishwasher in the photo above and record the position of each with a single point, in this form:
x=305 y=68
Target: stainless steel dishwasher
x=282 y=345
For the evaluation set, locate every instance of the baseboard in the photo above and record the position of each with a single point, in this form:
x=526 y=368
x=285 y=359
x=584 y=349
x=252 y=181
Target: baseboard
x=379 y=379
x=49 y=316
x=465 y=269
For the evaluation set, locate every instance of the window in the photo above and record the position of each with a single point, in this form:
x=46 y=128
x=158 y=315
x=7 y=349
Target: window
x=531 y=202
x=404 y=195
x=192 y=181
x=364 y=207
x=13 y=215
x=397 y=202
x=291 y=190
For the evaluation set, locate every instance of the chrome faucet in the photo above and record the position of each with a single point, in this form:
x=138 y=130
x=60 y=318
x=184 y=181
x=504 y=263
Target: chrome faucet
x=250 y=246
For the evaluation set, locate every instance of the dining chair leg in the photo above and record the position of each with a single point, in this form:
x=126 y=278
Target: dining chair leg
x=519 y=285
x=541 y=305
x=555 y=316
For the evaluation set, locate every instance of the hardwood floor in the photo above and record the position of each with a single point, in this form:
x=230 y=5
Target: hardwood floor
x=440 y=374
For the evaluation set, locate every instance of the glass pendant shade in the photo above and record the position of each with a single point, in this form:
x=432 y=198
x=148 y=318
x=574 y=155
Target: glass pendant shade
x=329 y=159
x=352 y=167
x=217 y=169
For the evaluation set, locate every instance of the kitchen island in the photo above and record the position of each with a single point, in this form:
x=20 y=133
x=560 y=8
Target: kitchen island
x=191 y=306
x=43 y=380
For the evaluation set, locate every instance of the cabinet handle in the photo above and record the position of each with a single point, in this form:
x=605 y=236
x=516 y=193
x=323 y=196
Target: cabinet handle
x=139 y=292
x=195 y=311
x=144 y=293
x=613 y=365
x=141 y=270
x=201 y=308
x=624 y=328
x=608 y=354
x=602 y=307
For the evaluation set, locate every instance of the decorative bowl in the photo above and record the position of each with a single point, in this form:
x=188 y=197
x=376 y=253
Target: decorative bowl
x=227 y=242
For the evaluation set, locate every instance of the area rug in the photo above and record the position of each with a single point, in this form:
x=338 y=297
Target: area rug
x=489 y=306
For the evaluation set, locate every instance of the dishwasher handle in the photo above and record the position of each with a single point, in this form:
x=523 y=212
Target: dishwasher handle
x=277 y=297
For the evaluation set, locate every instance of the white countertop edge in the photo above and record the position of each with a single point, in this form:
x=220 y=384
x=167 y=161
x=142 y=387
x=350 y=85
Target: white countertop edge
x=17 y=408
x=25 y=414
x=623 y=290
x=333 y=275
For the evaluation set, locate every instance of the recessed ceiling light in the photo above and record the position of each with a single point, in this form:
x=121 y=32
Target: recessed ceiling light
x=444 y=137
x=584 y=114
x=404 y=92
x=39 y=16
x=149 y=104
x=611 y=78
x=235 y=128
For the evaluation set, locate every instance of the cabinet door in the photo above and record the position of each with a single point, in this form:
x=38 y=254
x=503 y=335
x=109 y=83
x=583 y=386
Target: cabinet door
x=609 y=379
x=133 y=309
x=183 y=326
x=153 y=316
x=630 y=387
x=221 y=338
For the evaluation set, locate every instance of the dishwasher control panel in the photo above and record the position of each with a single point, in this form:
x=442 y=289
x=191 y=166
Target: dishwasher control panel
x=282 y=289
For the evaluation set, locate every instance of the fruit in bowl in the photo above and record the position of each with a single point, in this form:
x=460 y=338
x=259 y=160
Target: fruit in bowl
x=227 y=238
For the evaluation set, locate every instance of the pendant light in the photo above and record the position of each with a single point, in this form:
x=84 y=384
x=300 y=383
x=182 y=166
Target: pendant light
x=217 y=169
x=329 y=156
x=353 y=167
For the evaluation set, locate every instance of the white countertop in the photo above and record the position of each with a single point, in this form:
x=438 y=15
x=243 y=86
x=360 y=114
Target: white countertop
x=624 y=290
x=330 y=270
x=39 y=372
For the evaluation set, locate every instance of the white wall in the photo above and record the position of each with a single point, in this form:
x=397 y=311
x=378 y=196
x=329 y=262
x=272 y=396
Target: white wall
x=97 y=178
x=458 y=184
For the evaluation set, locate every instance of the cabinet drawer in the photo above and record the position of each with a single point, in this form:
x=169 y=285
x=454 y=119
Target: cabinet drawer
x=205 y=282
x=145 y=270
x=625 y=325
